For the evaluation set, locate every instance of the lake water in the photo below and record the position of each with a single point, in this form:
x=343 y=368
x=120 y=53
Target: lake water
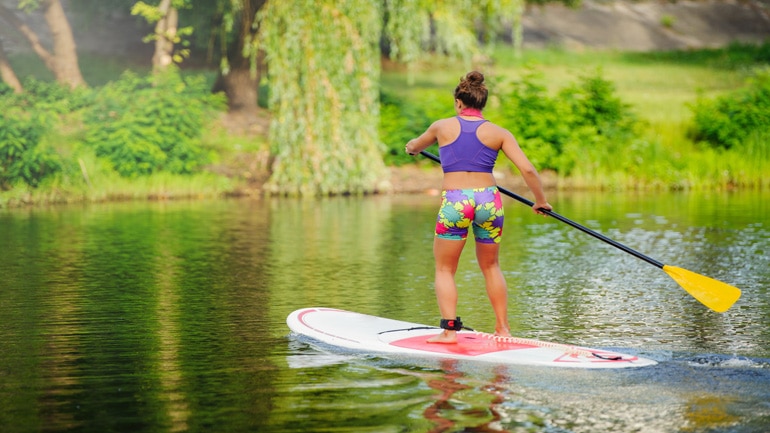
x=170 y=317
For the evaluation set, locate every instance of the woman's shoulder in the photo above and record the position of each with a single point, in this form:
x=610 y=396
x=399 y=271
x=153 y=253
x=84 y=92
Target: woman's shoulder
x=446 y=122
x=489 y=132
x=491 y=126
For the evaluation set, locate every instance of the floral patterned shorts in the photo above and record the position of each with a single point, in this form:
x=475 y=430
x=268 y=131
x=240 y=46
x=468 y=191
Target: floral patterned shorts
x=480 y=208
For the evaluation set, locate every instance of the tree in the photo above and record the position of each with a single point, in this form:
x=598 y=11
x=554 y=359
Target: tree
x=167 y=34
x=240 y=64
x=6 y=72
x=63 y=61
x=223 y=29
x=323 y=70
x=323 y=62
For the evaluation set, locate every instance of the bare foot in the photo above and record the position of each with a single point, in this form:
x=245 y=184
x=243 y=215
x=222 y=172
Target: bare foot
x=503 y=333
x=446 y=337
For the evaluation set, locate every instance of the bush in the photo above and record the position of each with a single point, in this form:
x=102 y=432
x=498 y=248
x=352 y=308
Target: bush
x=24 y=119
x=399 y=123
x=584 y=123
x=46 y=97
x=726 y=122
x=21 y=157
x=146 y=125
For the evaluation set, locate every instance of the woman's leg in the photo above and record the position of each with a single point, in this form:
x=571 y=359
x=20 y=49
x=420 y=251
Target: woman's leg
x=447 y=255
x=497 y=289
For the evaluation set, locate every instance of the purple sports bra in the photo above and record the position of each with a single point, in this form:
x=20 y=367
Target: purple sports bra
x=467 y=152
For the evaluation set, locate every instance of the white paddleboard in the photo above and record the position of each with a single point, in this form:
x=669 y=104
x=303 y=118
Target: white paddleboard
x=367 y=333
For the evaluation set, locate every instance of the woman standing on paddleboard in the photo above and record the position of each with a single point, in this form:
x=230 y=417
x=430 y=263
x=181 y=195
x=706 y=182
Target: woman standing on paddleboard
x=468 y=147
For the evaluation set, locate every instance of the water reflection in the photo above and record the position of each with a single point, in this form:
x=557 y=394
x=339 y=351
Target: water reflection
x=452 y=410
x=171 y=317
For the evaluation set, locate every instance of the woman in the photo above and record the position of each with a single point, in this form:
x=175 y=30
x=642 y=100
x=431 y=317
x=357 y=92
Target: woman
x=468 y=147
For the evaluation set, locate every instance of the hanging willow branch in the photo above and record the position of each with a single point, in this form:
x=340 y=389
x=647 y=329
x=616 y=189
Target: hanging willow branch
x=324 y=72
x=324 y=79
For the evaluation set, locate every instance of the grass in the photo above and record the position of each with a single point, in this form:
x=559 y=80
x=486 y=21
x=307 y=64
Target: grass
x=658 y=86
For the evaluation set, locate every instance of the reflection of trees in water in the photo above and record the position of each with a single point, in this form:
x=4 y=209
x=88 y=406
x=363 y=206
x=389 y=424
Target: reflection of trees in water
x=447 y=385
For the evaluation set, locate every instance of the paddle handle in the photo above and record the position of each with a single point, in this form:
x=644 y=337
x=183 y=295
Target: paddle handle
x=567 y=221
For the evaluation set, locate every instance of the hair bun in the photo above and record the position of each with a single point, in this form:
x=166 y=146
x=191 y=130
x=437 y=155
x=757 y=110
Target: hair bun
x=475 y=78
x=472 y=91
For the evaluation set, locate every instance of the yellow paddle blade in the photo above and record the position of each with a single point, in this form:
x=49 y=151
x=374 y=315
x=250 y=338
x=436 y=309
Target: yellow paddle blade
x=714 y=294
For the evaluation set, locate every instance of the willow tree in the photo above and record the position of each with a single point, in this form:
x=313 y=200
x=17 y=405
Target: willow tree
x=323 y=60
x=323 y=68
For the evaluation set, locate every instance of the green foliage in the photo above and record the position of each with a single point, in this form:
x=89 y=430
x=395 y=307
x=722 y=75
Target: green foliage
x=667 y=21
x=22 y=159
x=324 y=79
x=399 y=123
x=324 y=83
x=24 y=120
x=536 y=119
x=145 y=125
x=28 y=5
x=179 y=37
x=446 y=27
x=46 y=97
x=579 y=125
x=581 y=128
x=734 y=56
x=729 y=120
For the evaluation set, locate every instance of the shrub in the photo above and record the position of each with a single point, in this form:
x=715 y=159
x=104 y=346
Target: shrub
x=145 y=125
x=399 y=123
x=727 y=121
x=21 y=157
x=46 y=97
x=583 y=123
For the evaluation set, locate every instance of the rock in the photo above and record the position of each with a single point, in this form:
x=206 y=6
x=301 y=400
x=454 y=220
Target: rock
x=647 y=26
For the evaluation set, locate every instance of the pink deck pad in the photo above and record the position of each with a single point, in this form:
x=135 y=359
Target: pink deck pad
x=467 y=344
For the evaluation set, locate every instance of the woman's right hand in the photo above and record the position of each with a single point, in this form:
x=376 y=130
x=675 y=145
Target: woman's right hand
x=538 y=206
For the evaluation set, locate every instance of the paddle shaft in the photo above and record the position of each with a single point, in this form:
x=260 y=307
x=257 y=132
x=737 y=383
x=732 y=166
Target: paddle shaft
x=568 y=221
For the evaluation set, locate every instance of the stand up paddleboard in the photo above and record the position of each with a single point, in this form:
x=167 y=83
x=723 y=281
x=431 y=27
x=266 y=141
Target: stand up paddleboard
x=377 y=334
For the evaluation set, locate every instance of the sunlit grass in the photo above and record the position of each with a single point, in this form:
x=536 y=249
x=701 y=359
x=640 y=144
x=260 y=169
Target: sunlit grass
x=658 y=87
x=658 y=90
x=98 y=184
x=85 y=178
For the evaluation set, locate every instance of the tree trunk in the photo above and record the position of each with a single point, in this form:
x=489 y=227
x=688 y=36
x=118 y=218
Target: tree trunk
x=66 y=69
x=10 y=17
x=6 y=72
x=240 y=88
x=165 y=34
x=63 y=63
x=240 y=83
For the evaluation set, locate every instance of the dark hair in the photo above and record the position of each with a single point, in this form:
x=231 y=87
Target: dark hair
x=472 y=91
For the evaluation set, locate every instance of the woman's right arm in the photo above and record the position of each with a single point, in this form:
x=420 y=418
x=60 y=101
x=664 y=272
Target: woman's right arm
x=430 y=136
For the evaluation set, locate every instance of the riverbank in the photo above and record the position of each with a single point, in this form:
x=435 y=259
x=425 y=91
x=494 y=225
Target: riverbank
x=660 y=86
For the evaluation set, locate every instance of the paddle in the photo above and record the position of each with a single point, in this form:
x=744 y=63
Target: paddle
x=712 y=293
